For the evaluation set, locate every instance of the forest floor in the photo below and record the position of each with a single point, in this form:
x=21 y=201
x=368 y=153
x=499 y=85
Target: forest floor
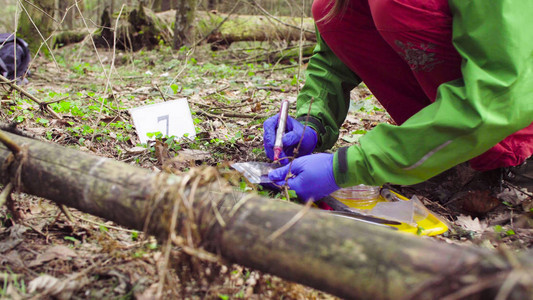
x=230 y=93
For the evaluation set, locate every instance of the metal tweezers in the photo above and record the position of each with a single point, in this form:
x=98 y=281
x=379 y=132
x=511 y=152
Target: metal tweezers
x=344 y=210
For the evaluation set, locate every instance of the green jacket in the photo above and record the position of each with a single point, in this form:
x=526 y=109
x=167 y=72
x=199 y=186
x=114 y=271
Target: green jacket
x=470 y=115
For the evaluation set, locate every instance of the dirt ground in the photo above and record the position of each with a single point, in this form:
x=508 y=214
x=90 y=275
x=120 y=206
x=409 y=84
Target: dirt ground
x=47 y=254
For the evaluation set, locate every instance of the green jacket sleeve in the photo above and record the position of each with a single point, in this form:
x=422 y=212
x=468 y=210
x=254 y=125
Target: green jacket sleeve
x=327 y=88
x=493 y=100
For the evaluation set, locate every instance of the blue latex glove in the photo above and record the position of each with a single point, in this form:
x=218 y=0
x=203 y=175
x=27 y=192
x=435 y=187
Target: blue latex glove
x=294 y=130
x=312 y=176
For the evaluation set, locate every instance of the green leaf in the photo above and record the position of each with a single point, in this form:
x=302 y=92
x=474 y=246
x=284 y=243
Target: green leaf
x=43 y=121
x=242 y=186
x=510 y=232
x=419 y=230
x=175 y=88
x=72 y=239
x=498 y=228
x=292 y=194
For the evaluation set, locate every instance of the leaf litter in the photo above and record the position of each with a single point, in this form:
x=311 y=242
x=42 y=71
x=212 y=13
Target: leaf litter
x=44 y=254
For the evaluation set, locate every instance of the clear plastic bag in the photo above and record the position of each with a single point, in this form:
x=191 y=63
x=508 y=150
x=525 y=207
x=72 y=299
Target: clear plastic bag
x=255 y=172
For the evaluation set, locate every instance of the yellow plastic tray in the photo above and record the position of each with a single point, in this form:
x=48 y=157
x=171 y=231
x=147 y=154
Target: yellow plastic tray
x=430 y=225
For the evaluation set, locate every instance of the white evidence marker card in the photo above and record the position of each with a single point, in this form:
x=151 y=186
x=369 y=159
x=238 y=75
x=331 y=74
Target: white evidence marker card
x=171 y=118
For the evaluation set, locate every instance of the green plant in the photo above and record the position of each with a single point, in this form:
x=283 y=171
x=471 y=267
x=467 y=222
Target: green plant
x=18 y=283
x=70 y=238
x=43 y=122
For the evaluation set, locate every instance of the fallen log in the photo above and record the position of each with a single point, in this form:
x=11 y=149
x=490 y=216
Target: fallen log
x=341 y=256
x=144 y=28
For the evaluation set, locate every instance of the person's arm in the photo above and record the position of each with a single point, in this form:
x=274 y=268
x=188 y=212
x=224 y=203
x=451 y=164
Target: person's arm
x=328 y=84
x=493 y=100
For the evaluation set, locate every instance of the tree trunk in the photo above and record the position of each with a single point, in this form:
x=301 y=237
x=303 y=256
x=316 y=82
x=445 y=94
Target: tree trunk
x=65 y=14
x=166 y=5
x=341 y=256
x=185 y=14
x=212 y=4
x=35 y=23
x=156 y=5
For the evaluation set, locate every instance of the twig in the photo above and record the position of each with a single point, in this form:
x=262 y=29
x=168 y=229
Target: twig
x=42 y=104
x=108 y=81
x=480 y=285
x=276 y=69
x=101 y=224
x=300 y=53
x=266 y=13
x=266 y=54
x=12 y=146
x=514 y=277
x=160 y=92
x=189 y=53
x=231 y=115
x=42 y=11
x=290 y=223
x=40 y=34
x=66 y=212
x=5 y=193
x=219 y=25
x=105 y=105
x=91 y=38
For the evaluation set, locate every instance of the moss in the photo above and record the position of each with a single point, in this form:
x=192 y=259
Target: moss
x=38 y=15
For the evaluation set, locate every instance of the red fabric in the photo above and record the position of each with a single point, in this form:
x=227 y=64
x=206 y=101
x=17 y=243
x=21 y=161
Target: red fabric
x=403 y=51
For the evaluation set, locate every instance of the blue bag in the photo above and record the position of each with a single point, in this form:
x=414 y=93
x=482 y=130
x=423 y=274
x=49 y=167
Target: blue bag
x=14 y=56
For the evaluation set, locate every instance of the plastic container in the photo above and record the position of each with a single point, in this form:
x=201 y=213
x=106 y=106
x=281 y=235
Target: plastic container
x=360 y=196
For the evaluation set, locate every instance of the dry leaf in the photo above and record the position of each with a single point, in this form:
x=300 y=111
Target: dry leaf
x=192 y=154
x=474 y=225
x=479 y=202
x=12 y=258
x=15 y=238
x=51 y=286
x=136 y=150
x=513 y=196
x=56 y=252
x=149 y=293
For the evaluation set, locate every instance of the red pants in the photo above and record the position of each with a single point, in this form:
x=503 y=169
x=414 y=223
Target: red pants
x=402 y=50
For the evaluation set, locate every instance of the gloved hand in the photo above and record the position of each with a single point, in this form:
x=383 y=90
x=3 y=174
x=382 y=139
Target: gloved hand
x=294 y=130
x=311 y=176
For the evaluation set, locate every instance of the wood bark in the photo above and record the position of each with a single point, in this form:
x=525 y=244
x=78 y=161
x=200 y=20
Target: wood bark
x=233 y=28
x=341 y=256
x=140 y=28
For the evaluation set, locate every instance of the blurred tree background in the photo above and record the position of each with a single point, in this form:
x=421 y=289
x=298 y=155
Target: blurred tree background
x=67 y=11
x=70 y=21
